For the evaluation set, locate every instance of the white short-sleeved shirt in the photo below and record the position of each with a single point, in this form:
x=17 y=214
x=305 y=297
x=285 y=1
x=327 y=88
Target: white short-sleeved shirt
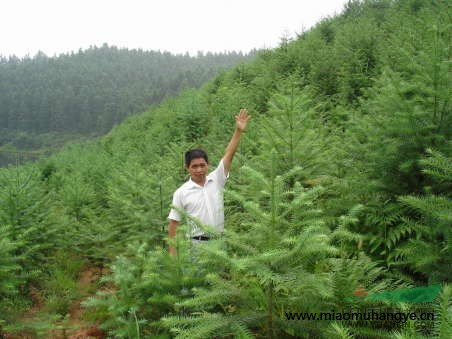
x=202 y=202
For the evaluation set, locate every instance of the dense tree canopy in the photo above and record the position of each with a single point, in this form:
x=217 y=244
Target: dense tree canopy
x=47 y=101
x=92 y=90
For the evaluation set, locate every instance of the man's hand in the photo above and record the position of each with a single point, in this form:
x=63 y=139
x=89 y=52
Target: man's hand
x=241 y=119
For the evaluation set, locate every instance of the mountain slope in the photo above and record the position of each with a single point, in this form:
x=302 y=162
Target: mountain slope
x=45 y=101
x=342 y=183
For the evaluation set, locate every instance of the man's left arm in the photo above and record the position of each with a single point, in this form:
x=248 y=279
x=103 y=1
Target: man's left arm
x=241 y=121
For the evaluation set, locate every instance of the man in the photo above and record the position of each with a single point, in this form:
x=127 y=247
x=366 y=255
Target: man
x=202 y=195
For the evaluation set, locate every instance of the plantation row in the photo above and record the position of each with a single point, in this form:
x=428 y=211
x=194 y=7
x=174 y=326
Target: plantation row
x=342 y=183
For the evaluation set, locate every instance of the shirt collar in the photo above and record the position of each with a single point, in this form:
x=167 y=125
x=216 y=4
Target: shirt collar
x=192 y=184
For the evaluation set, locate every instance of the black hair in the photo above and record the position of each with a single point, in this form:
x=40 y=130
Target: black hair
x=195 y=154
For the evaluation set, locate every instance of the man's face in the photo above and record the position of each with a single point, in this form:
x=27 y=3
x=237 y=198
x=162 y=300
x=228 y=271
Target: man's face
x=198 y=170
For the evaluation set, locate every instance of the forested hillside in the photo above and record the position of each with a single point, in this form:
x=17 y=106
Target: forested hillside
x=342 y=183
x=45 y=101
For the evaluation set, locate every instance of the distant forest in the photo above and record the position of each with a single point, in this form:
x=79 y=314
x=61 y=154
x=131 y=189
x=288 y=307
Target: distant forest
x=45 y=101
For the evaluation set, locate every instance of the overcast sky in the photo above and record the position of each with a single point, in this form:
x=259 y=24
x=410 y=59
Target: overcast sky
x=177 y=26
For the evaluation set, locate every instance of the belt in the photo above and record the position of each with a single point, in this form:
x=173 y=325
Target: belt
x=201 y=237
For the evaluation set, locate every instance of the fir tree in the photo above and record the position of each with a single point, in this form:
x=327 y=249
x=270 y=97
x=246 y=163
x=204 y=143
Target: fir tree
x=266 y=270
x=423 y=240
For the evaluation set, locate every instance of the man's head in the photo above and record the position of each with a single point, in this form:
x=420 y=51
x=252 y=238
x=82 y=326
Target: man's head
x=196 y=163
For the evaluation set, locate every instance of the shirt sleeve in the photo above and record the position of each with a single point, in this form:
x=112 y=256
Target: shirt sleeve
x=219 y=175
x=177 y=202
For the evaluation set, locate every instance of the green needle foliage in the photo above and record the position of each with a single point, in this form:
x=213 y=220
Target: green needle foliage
x=281 y=258
x=27 y=237
x=145 y=284
x=271 y=265
x=10 y=281
x=342 y=182
x=26 y=218
x=423 y=241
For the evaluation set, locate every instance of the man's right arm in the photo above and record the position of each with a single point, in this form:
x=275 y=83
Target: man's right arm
x=173 y=217
x=172 y=228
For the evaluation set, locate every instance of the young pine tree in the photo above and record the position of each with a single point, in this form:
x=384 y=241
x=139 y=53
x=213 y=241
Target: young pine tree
x=272 y=262
x=422 y=241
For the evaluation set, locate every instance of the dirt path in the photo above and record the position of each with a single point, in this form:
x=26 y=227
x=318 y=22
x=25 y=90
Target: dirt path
x=78 y=328
x=74 y=327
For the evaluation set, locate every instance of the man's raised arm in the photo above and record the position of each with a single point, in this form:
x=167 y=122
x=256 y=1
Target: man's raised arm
x=241 y=121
